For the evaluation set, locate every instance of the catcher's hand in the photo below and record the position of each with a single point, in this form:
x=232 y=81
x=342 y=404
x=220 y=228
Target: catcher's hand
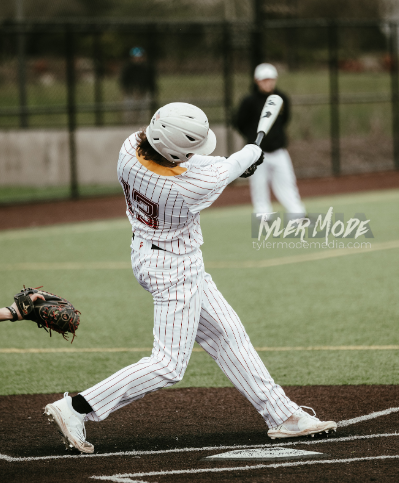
x=251 y=170
x=49 y=311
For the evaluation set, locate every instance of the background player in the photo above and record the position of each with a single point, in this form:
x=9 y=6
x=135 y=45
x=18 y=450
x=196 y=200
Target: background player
x=168 y=179
x=137 y=82
x=276 y=170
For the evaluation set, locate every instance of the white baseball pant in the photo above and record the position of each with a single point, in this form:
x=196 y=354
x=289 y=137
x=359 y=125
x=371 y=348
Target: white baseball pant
x=276 y=171
x=188 y=307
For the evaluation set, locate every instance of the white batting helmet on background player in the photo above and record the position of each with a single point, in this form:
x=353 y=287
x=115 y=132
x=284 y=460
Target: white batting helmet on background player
x=179 y=129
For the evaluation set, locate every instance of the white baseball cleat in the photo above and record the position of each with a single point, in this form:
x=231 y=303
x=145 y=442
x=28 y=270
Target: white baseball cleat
x=70 y=423
x=301 y=424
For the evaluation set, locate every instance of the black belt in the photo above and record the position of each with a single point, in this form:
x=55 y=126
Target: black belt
x=153 y=247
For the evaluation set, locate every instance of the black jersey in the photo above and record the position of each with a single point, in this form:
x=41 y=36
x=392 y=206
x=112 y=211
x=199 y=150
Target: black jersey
x=247 y=119
x=136 y=77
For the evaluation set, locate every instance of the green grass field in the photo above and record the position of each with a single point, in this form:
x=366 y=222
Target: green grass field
x=348 y=300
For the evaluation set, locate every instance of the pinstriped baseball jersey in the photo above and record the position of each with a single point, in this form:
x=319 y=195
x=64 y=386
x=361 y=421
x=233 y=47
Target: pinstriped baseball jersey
x=163 y=204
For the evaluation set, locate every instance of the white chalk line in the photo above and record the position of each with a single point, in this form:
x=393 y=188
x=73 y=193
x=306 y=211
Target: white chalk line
x=360 y=419
x=308 y=257
x=343 y=423
x=122 y=480
x=125 y=477
x=191 y=450
x=12 y=350
x=272 y=262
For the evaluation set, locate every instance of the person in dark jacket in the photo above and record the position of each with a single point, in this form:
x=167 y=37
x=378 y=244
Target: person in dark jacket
x=276 y=170
x=137 y=81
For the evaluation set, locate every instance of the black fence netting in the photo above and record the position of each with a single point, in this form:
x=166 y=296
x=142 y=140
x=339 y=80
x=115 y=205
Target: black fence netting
x=71 y=92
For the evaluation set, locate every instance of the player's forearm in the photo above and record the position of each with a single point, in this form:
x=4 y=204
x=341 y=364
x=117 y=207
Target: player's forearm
x=238 y=162
x=5 y=314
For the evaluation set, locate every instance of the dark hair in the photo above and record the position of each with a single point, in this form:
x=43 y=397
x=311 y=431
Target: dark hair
x=145 y=150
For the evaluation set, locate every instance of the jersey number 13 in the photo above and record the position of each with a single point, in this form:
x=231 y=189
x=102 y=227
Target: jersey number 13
x=148 y=210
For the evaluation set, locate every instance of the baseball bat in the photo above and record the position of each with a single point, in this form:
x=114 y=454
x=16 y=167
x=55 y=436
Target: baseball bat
x=269 y=114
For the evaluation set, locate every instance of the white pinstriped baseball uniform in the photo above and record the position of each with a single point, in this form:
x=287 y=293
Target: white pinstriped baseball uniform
x=276 y=171
x=163 y=206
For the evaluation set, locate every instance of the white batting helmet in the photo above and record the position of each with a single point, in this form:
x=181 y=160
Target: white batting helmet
x=179 y=129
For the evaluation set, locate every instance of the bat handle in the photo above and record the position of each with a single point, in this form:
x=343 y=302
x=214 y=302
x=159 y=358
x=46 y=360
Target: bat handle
x=259 y=138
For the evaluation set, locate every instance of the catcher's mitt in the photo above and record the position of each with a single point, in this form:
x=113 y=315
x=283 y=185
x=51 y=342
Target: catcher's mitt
x=54 y=313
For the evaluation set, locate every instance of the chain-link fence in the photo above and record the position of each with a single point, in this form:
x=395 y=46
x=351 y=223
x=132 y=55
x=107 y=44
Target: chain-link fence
x=70 y=93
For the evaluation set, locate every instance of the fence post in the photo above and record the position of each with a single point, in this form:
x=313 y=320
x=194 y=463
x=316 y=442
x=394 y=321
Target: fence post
x=257 y=47
x=393 y=47
x=98 y=78
x=334 y=98
x=23 y=116
x=153 y=62
x=228 y=86
x=71 y=109
x=291 y=38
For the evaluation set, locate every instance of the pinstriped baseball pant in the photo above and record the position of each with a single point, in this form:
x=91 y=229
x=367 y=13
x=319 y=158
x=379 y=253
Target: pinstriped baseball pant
x=188 y=307
x=276 y=171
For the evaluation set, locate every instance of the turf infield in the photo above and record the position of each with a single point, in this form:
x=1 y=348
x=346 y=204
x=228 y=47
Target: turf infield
x=345 y=300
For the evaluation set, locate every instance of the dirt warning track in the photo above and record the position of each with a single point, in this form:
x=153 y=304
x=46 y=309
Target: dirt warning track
x=166 y=436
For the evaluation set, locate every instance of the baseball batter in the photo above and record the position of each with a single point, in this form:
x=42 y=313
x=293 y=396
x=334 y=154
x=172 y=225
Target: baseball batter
x=168 y=178
x=276 y=170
